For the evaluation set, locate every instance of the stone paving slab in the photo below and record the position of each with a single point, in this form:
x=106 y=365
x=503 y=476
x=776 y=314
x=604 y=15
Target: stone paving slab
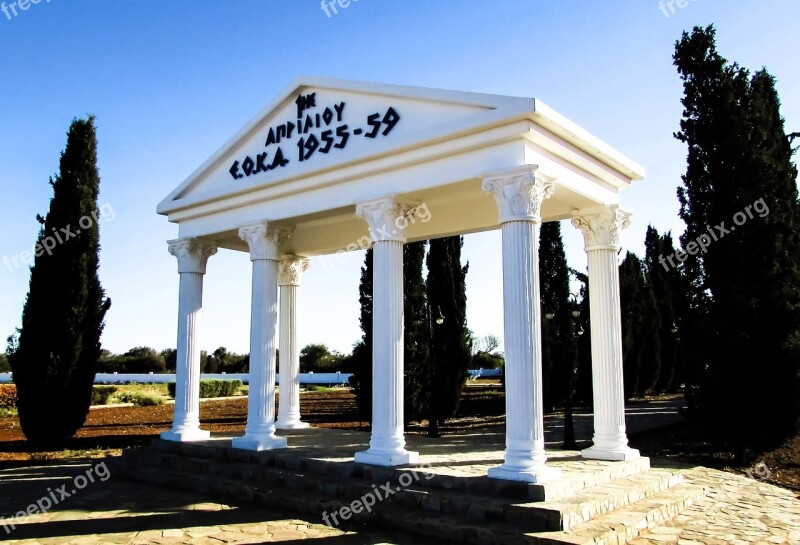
x=125 y=513
x=737 y=510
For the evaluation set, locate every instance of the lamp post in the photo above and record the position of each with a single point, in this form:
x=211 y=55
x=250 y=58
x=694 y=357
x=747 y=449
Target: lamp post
x=433 y=423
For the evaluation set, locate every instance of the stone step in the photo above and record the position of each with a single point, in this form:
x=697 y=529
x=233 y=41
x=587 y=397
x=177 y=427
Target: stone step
x=590 y=475
x=563 y=514
x=618 y=527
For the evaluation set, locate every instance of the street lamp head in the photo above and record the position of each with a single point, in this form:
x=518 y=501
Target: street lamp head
x=674 y=328
x=580 y=332
x=576 y=313
x=440 y=317
x=549 y=316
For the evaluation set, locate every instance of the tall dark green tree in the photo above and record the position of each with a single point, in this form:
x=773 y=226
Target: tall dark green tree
x=451 y=347
x=559 y=348
x=668 y=289
x=740 y=176
x=63 y=317
x=362 y=351
x=641 y=350
x=583 y=384
x=417 y=332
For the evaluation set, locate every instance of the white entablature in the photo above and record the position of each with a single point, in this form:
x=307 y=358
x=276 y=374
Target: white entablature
x=364 y=141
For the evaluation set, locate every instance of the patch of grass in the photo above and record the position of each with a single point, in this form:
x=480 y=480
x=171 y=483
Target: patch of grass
x=69 y=454
x=140 y=394
x=139 y=399
x=317 y=388
x=8 y=412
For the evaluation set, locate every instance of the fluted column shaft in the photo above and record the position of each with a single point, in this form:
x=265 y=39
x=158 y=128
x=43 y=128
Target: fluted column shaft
x=519 y=194
x=387 y=349
x=289 y=376
x=192 y=257
x=387 y=443
x=601 y=231
x=260 y=429
x=523 y=346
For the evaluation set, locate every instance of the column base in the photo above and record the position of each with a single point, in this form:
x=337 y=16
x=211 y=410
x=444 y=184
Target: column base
x=387 y=459
x=259 y=443
x=616 y=455
x=292 y=425
x=532 y=475
x=186 y=436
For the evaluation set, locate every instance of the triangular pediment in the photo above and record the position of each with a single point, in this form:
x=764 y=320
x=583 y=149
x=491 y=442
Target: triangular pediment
x=321 y=124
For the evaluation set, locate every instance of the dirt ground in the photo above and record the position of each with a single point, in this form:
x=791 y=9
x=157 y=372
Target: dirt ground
x=109 y=430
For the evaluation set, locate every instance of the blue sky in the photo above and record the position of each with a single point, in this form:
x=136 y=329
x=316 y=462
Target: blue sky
x=170 y=82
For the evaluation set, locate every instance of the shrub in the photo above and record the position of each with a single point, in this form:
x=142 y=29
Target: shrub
x=316 y=388
x=213 y=388
x=8 y=396
x=140 y=399
x=100 y=394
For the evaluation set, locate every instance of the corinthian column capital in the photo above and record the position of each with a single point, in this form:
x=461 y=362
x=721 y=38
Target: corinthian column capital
x=264 y=239
x=291 y=269
x=601 y=228
x=519 y=193
x=192 y=254
x=387 y=218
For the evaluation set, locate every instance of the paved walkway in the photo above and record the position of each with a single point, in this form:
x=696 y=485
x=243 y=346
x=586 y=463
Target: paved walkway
x=737 y=510
x=119 y=512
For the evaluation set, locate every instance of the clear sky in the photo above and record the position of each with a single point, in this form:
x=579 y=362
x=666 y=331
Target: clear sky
x=170 y=82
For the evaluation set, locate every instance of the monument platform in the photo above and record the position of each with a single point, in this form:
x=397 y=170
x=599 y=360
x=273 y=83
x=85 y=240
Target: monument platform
x=447 y=496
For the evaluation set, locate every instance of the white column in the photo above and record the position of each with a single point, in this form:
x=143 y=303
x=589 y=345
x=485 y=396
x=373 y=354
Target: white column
x=519 y=194
x=601 y=229
x=192 y=255
x=387 y=229
x=291 y=270
x=264 y=241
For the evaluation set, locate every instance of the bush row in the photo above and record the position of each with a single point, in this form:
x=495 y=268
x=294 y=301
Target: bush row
x=213 y=388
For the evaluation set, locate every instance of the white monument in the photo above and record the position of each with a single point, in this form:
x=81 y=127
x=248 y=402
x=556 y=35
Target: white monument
x=330 y=163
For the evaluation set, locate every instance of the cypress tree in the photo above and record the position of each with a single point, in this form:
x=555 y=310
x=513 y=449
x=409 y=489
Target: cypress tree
x=583 y=381
x=740 y=176
x=417 y=333
x=451 y=347
x=62 y=321
x=640 y=325
x=558 y=339
x=660 y=281
x=362 y=351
